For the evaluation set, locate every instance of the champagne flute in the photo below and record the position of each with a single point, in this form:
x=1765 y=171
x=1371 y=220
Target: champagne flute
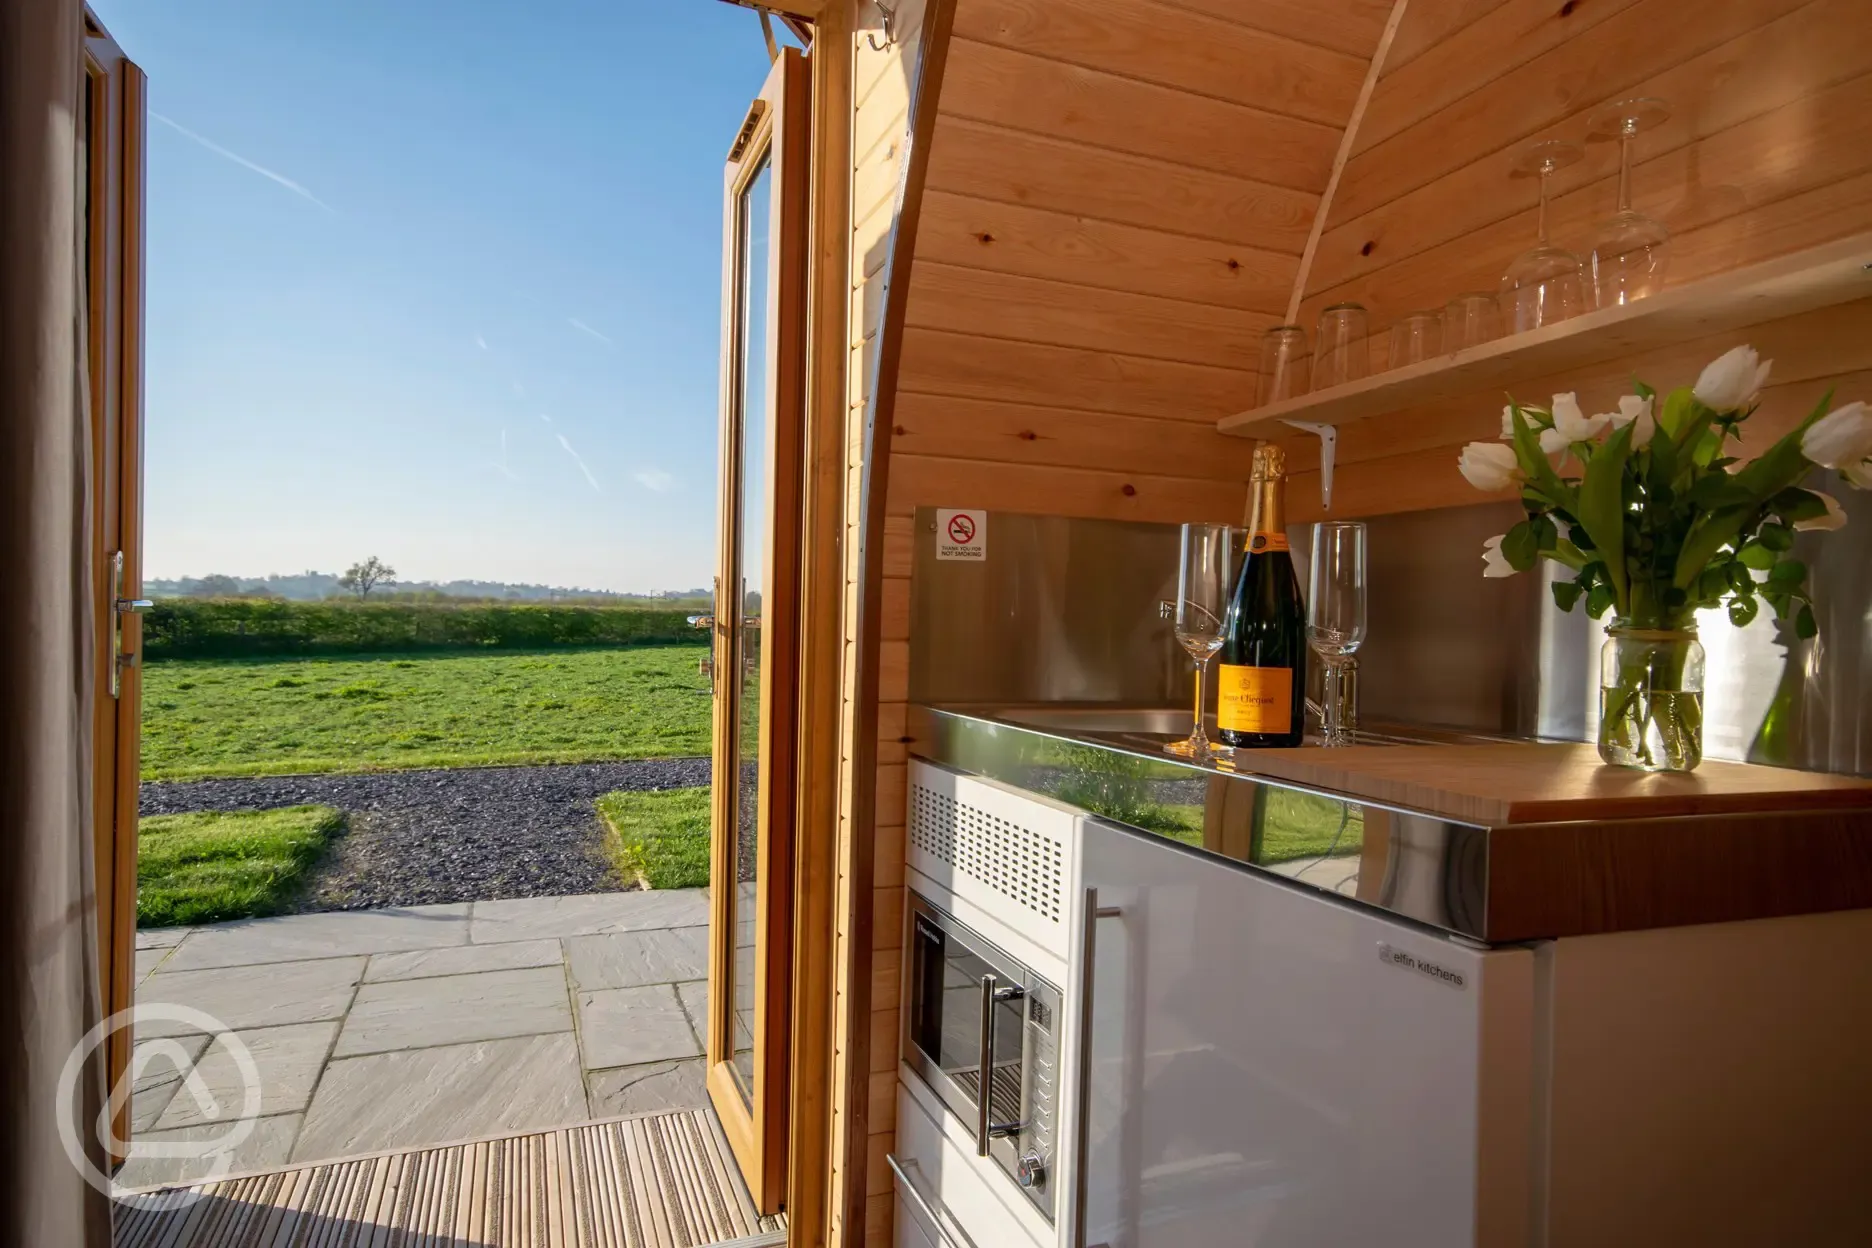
x=1204 y=581
x=1336 y=620
x=1542 y=286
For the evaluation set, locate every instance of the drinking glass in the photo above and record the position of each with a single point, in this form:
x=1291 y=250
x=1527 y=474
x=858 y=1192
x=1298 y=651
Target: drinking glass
x=1204 y=582
x=1630 y=250
x=1336 y=620
x=1415 y=338
x=1340 y=353
x=1542 y=285
x=1283 y=365
x=1469 y=320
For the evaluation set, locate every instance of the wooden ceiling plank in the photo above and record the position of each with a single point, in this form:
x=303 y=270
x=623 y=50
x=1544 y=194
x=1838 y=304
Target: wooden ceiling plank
x=1006 y=87
x=968 y=366
x=1010 y=239
x=1633 y=46
x=1005 y=305
x=1067 y=491
x=1174 y=48
x=1348 y=26
x=1497 y=43
x=1429 y=24
x=1013 y=166
x=1797 y=64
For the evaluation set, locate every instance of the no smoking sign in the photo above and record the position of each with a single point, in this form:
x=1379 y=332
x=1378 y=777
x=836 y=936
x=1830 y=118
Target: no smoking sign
x=961 y=534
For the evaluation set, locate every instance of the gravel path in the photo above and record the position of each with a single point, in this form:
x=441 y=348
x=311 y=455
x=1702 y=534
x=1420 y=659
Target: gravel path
x=464 y=834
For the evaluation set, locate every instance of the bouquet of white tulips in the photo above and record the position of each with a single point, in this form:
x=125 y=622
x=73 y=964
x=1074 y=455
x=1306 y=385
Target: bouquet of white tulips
x=1662 y=517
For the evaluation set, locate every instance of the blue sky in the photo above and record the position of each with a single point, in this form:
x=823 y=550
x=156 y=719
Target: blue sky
x=437 y=282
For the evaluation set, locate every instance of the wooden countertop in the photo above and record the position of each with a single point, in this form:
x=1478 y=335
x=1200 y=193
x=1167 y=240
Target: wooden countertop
x=1509 y=783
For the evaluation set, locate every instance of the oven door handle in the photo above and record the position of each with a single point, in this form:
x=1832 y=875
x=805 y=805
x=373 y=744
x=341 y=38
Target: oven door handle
x=928 y=1209
x=987 y=1130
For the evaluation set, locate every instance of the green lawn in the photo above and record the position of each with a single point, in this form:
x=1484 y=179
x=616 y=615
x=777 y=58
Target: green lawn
x=245 y=717
x=206 y=868
x=662 y=838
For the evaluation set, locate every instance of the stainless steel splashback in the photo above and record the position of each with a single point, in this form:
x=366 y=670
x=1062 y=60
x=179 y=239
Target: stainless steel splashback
x=1065 y=610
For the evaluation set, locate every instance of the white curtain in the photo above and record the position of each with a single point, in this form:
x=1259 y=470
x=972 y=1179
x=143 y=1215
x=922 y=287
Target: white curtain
x=48 y=970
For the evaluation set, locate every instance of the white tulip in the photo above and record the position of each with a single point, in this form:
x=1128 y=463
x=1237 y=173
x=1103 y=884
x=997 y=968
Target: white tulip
x=1859 y=475
x=1835 y=518
x=1572 y=424
x=1636 y=411
x=1507 y=422
x=1494 y=563
x=1489 y=466
x=1552 y=441
x=1841 y=439
x=1732 y=380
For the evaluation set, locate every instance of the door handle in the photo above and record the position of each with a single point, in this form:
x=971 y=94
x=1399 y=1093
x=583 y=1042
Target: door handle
x=1082 y=1078
x=120 y=607
x=987 y=1129
x=925 y=1206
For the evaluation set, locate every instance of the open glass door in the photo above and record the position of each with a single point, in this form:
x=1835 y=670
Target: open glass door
x=110 y=221
x=756 y=624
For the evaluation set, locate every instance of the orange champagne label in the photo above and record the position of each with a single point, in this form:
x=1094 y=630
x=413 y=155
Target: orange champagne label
x=1255 y=699
x=1277 y=540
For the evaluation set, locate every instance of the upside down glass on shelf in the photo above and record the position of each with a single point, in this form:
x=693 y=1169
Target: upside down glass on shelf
x=1205 y=575
x=1542 y=286
x=1471 y=319
x=1340 y=350
x=1415 y=337
x=1630 y=250
x=1284 y=365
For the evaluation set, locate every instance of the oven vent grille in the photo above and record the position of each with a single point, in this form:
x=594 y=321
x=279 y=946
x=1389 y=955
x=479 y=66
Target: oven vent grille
x=1020 y=863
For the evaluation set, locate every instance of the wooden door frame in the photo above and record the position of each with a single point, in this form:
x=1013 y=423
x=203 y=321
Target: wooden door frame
x=773 y=128
x=114 y=209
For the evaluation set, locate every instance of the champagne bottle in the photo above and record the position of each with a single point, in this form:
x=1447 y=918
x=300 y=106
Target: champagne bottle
x=1262 y=699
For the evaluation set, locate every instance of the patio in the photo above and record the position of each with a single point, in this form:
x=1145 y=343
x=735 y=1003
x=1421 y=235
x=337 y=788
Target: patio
x=395 y=1028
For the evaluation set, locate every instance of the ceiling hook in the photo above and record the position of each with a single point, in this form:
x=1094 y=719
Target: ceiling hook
x=1329 y=441
x=889 y=13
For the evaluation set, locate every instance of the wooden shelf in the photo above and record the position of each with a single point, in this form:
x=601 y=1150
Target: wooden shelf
x=1838 y=272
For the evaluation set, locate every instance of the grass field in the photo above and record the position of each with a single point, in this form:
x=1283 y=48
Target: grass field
x=244 y=717
x=662 y=837
x=207 y=868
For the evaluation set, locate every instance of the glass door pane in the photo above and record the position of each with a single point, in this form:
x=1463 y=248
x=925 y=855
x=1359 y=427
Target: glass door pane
x=750 y=548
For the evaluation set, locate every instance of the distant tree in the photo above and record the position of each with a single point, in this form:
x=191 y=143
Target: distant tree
x=213 y=586
x=361 y=578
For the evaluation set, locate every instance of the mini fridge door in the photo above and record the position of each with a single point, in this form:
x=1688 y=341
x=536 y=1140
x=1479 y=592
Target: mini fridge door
x=1271 y=1068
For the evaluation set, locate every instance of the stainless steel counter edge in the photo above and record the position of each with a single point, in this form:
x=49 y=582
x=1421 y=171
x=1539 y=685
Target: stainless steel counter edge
x=1511 y=883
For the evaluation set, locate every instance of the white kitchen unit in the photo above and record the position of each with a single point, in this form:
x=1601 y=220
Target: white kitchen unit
x=1272 y=1064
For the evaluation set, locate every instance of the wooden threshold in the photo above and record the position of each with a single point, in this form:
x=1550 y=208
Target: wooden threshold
x=1835 y=273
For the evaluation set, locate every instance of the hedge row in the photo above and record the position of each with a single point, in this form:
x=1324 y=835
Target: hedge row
x=236 y=628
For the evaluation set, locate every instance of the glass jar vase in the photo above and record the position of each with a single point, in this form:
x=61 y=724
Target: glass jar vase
x=1651 y=698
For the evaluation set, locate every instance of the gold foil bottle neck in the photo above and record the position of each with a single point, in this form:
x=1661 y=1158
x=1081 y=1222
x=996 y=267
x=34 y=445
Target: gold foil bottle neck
x=1270 y=463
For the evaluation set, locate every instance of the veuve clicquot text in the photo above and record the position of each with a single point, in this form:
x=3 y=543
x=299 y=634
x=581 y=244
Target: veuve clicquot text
x=1262 y=700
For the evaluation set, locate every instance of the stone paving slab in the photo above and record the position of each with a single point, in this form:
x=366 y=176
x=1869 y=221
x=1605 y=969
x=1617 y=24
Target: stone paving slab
x=694 y=998
x=268 y=1145
x=463 y=960
x=255 y=996
x=289 y=1060
x=161 y=937
x=630 y=1026
x=159 y=1065
x=654 y=1087
x=300 y=937
x=452 y=1009
x=633 y=959
x=530 y=918
x=454 y=1092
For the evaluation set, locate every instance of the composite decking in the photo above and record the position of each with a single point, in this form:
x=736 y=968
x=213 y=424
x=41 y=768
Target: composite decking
x=653 y=1181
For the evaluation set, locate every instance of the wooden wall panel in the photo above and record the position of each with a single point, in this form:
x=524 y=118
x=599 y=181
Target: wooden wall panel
x=1768 y=151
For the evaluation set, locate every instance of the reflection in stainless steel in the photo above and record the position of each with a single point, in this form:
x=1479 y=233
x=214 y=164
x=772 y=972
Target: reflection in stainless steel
x=1105 y=760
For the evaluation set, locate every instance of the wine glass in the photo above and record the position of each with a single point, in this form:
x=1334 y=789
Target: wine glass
x=1630 y=250
x=1542 y=285
x=1336 y=620
x=1204 y=582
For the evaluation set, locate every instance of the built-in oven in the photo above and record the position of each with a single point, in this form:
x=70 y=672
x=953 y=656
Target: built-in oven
x=982 y=1031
